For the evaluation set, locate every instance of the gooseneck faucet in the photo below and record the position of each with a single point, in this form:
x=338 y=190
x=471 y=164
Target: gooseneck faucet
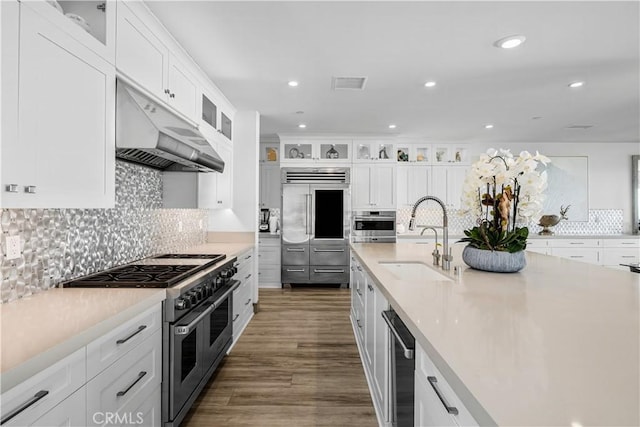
x=446 y=257
x=435 y=253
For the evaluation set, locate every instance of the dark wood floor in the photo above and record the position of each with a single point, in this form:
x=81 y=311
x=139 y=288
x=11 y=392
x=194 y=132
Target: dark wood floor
x=296 y=364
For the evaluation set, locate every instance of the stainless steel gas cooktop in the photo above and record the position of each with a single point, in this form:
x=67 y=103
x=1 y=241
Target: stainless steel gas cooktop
x=161 y=271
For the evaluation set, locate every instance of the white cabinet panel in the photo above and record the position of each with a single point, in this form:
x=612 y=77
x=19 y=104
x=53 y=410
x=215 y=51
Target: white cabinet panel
x=71 y=412
x=215 y=190
x=373 y=187
x=183 y=90
x=414 y=181
x=590 y=255
x=65 y=121
x=447 y=183
x=427 y=409
x=270 y=187
x=140 y=55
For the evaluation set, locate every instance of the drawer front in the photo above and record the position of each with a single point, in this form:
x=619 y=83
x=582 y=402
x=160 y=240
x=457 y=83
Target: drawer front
x=575 y=243
x=329 y=255
x=102 y=352
x=71 y=412
x=621 y=243
x=126 y=384
x=269 y=256
x=589 y=255
x=329 y=274
x=268 y=242
x=615 y=256
x=46 y=389
x=269 y=275
x=295 y=274
x=537 y=243
x=245 y=260
x=295 y=254
x=426 y=369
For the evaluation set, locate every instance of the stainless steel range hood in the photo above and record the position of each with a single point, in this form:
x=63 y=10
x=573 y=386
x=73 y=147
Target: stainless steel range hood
x=149 y=134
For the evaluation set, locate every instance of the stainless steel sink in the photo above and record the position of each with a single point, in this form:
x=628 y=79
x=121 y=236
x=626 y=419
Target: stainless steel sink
x=413 y=270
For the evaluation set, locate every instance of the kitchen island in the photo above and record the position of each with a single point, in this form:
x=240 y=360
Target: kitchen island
x=555 y=344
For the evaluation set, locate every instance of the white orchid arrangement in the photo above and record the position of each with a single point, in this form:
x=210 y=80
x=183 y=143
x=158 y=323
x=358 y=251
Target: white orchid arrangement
x=503 y=191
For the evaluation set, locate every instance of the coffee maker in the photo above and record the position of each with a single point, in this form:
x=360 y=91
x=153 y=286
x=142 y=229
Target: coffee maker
x=264 y=220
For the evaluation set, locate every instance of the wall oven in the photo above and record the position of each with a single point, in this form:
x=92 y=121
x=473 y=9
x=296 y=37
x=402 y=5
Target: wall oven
x=315 y=225
x=374 y=227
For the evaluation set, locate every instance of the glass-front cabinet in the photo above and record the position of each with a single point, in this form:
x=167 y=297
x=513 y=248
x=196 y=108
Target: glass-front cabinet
x=413 y=153
x=366 y=150
x=444 y=153
x=325 y=151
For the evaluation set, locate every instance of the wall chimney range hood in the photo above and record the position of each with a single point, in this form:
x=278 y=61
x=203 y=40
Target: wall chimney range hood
x=149 y=134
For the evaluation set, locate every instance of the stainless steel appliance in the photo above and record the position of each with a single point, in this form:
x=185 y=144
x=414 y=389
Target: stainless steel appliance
x=402 y=371
x=264 y=220
x=197 y=319
x=374 y=227
x=148 y=134
x=315 y=225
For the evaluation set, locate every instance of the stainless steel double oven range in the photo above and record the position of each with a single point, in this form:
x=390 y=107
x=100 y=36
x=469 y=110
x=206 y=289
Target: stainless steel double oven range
x=197 y=318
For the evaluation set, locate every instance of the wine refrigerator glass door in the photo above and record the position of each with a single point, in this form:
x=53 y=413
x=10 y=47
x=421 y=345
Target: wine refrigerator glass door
x=329 y=213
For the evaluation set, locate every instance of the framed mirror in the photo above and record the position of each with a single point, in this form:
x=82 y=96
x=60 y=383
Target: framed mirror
x=635 y=196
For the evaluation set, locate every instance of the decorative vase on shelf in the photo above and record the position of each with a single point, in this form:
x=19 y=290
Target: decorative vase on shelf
x=494 y=261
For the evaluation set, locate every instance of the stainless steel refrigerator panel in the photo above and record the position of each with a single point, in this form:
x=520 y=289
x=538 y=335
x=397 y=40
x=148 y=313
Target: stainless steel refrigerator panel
x=295 y=254
x=328 y=274
x=295 y=274
x=296 y=213
x=329 y=255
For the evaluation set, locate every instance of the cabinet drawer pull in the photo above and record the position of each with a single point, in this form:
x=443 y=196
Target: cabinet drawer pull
x=359 y=268
x=124 y=340
x=576 y=243
x=30 y=189
x=370 y=288
x=12 y=188
x=359 y=324
x=295 y=270
x=576 y=256
x=295 y=249
x=328 y=250
x=248 y=275
x=236 y=317
x=358 y=292
x=628 y=256
x=247 y=257
x=125 y=391
x=628 y=243
x=36 y=397
x=248 y=301
x=434 y=384
x=327 y=270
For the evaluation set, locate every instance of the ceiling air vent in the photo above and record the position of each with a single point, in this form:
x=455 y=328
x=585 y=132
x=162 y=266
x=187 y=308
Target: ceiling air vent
x=340 y=83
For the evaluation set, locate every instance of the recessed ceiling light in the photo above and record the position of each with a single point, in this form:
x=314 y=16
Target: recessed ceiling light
x=293 y=83
x=392 y=126
x=510 y=42
x=574 y=85
x=430 y=84
x=302 y=126
x=489 y=126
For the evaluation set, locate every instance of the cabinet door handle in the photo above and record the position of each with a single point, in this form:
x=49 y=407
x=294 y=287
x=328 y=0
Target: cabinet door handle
x=247 y=257
x=295 y=249
x=576 y=243
x=628 y=243
x=434 y=384
x=127 y=338
x=12 y=188
x=576 y=256
x=370 y=288
x=295 y=270
x=358 y=322
x=628 y=256
x=167 y=91
x=235 y=317
x=358 y=291
x=328 y=250
x=328 y=270
x=30 y=189
x=248 y=275
x=248 y=301
x=126 y=390
x=36 y=397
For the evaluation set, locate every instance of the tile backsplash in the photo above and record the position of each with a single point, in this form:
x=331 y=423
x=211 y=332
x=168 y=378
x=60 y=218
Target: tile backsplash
x=601 y=221
x=61 y=244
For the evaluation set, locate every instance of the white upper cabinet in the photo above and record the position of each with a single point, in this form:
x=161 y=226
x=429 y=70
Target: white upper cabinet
x=65 y=122
x=373 y=187
x=450 y=154
x=315 y=151
x=373 y=150
x=414 y=181
x=147 y=62
x=447 y=183
x=413 y=152
x=215 y=190
x=140 y=55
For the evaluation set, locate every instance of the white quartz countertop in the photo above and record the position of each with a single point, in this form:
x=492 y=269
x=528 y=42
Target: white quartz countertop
x=39 y=330
x=554 y=344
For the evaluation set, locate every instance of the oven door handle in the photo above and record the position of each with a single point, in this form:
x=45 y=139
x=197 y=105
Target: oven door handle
x=225 y=295
x=184 y=330
x=377 y=218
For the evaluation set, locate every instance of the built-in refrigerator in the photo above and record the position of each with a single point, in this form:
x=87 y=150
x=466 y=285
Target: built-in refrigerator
x=315 y=225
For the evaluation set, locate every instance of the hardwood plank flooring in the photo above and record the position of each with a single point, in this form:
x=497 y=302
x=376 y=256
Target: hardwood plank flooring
x=297 y=364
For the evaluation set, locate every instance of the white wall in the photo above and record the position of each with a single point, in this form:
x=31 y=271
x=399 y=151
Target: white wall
x=244 y=214
x=609 y=169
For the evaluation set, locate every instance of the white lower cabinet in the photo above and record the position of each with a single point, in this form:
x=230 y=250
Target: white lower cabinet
x=123 y=388
x=372 y=336
x=70 y=412
x=436 y=404
x=243 y=294
x=269 y=255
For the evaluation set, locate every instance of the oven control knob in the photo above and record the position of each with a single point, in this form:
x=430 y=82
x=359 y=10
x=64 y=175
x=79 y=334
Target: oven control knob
x=207 y=290
x=219 y=280
x=182 y=304
x=234 y=270
x=193 y=298
x=198 y=293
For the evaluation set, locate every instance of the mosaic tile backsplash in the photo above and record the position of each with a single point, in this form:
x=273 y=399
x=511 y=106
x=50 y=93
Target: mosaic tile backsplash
x=61 y=244
x=601 y=221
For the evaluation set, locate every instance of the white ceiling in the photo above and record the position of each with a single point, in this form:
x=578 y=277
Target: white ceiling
x=251 y=49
